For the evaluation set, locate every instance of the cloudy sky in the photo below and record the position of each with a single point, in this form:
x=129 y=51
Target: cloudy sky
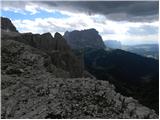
x=131 y=22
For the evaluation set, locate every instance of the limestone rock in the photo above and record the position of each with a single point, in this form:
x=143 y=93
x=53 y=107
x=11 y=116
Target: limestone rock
x=84 y=39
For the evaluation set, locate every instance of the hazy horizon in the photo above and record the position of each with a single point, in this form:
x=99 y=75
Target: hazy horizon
x=130 y=22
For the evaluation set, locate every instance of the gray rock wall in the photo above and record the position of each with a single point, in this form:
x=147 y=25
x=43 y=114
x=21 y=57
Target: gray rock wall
x=84 y=39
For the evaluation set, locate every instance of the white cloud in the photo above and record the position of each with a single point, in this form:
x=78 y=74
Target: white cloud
x=32 y=8
x=23 y=7
x=121 y=32
x=134 y=39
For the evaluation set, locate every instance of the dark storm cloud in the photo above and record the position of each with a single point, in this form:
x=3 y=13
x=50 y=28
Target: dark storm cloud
x=115 y=10
x=143 y=11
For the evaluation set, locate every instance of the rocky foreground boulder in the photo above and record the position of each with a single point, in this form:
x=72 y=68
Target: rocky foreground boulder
x=30 y=91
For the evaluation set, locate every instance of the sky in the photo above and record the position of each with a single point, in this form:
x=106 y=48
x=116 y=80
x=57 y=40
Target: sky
x=131 y=22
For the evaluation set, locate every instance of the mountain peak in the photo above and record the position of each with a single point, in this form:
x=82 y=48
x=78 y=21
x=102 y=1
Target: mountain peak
x=7 y=25
x=47 y=35
x=57 y=35
x=91 y=29
x=88 y=38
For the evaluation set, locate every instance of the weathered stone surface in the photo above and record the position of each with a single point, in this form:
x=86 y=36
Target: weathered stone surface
x=36 y=93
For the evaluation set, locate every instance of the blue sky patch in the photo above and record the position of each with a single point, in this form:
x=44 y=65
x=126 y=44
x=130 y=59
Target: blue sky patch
x=40 y=14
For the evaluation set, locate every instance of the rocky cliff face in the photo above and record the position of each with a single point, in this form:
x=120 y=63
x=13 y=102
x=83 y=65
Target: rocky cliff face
x=33 y=87
x=7 y=25
x=56 y=47
x=84 y=39
x=44 y=41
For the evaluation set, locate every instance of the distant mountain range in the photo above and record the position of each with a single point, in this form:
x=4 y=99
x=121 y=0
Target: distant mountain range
x=113 y=44
x=147 y=50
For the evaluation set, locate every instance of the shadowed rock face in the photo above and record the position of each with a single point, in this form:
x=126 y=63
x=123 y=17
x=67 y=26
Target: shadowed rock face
x=56 y=47
x=44 y=41
x=84 y=39
x=6 y=24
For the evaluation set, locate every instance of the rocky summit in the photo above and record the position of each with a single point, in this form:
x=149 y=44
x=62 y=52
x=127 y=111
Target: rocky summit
x=7 y=25
x=33 y=86
x=89 y=38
